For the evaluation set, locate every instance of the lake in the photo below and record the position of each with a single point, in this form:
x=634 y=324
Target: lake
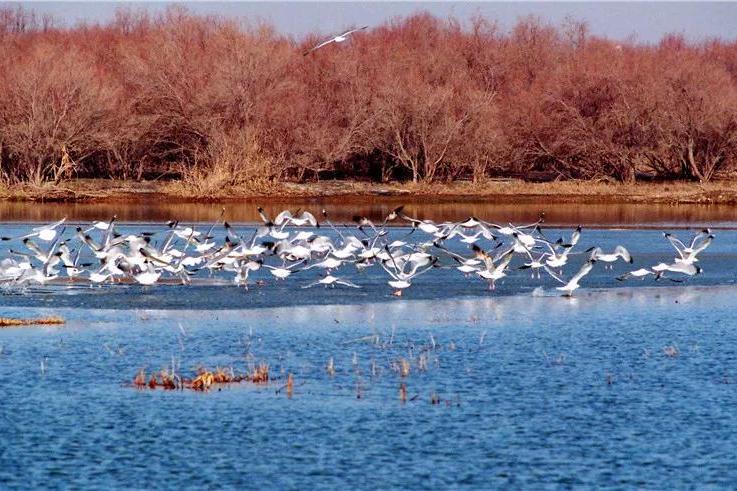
x=627 y=384
x=376 y=208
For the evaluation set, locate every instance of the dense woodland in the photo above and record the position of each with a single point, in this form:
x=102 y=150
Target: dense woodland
x=178 y=96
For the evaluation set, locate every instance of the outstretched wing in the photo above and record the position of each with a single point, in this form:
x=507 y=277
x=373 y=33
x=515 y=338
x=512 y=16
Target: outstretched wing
x=347 y=283
x=315 y=48
x=348 y=33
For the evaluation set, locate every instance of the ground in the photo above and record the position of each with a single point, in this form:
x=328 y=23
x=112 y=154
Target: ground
x=501 y=191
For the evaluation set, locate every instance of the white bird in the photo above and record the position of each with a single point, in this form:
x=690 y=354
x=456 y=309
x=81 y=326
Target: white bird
x=282 y=272
x=638 y=273
x=498 y=271
x=149 y=276
x=619 y=252
x=689 y=269
x=572 y=284
x=286 y=217
x=331 y=281
x=688 y=254
x=401 y=279
x=337 y=39
x=47 y=233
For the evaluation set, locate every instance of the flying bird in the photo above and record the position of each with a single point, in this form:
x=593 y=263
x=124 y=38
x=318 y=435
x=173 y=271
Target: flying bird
x=337 y=39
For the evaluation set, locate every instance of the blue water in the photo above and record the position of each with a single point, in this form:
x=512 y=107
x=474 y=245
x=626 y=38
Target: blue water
x=536 y=391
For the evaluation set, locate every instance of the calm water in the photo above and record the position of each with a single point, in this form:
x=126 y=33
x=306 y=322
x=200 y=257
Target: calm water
x=536 y=390
x=609 y=215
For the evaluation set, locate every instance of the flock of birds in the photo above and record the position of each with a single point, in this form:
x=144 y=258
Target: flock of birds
x=291 y=243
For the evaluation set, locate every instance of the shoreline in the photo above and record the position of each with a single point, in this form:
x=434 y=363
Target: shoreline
x=500 y=191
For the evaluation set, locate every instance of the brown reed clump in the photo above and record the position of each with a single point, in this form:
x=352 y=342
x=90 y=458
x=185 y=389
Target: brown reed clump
x=404 y=368
x=290 y=385
x=44 y=321
x=205 y=379
x=260 y=375
x=140 y=379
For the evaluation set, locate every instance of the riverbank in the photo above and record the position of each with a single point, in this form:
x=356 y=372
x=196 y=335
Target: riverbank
x=492 y=191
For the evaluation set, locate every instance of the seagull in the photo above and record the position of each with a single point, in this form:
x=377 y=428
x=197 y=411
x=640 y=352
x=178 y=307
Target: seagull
x=47 y=233
x=282 y=272
x=401 y=280
x=689 y=269
x=99 y=225
x=619 y=252
x=638 y=273
x=331 y=281
x=305 y=218
x=572 y=284
x=497 y=273
x=688 y=254
x=337 y=39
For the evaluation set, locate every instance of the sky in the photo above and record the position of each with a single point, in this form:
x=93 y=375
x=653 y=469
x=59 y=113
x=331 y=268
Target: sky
x=639 y=21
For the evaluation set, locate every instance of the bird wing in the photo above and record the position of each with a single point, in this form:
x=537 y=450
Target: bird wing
x=282 y=217
x=264 y=216
x=505 y=259
x=703 y=245
x=306 y=215
x=209 y=232
x=583 y=271
x=704 y=233
x=554 y=275
x=315 y=48
x=677 y=244
x=348 y=33
x=624 y=253
x=50 y=226
x=347 y=283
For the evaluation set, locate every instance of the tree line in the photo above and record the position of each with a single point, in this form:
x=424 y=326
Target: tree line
x=420 y=98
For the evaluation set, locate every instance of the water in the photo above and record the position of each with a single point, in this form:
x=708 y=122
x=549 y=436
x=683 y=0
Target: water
x=536 y=390
x=342 y=209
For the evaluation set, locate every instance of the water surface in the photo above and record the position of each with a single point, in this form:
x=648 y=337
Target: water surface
x=535 y=392
x=343 y=209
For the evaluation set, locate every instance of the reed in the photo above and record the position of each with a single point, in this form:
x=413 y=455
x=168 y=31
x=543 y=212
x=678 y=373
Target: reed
x=44 y=321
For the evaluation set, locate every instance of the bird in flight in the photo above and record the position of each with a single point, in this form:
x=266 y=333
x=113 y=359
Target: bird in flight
x=337 y=39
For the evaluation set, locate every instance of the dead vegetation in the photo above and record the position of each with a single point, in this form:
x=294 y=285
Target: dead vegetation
x=169 y=379
x=218 y=108
x=44 y=321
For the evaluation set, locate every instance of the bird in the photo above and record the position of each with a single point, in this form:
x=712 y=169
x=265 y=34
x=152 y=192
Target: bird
x=337 y=39
x=331 y=281
x=573 y=284
x=687 y=255
x=638 y=273
x=619 y=252
x=497 y=272
x=46 y=233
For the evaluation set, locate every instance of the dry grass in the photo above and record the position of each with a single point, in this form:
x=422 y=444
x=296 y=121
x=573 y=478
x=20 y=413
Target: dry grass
x=221 y=185
x=44 y=321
